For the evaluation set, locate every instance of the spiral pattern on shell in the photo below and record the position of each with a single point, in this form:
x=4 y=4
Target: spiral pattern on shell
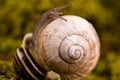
x=70 y=48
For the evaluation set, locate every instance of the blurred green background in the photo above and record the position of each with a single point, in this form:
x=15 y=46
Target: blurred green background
x=18 y=17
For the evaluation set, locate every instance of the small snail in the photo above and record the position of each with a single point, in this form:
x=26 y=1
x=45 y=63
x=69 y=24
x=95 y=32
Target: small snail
x=67 y=45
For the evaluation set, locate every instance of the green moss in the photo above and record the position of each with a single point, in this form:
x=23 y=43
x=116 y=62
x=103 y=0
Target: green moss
x=6 y=71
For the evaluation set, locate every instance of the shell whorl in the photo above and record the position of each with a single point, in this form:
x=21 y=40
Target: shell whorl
x=70 y=48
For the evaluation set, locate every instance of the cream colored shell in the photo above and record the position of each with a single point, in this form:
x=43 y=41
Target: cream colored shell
x=70 y=48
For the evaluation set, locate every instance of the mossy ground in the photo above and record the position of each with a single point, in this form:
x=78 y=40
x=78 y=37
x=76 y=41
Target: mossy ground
x=6 y=71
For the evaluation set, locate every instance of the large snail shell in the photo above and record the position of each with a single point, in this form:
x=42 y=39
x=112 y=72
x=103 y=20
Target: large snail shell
x=70 y=48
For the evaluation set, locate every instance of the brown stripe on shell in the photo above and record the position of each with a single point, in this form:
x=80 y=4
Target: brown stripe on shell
x=23 y=69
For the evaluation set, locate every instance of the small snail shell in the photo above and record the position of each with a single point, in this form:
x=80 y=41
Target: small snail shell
x=70 y=48
x=24 y=63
